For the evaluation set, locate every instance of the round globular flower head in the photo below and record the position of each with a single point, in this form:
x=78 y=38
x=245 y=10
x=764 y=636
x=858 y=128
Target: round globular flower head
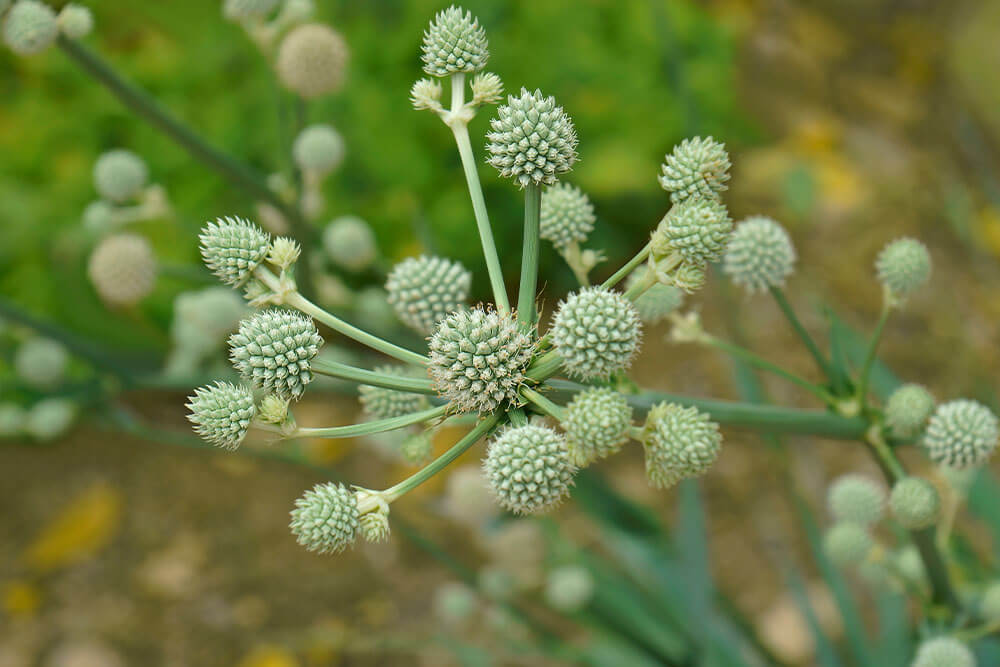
x=120 y=175
x=273 y=349
x=478 y=359
x=30 y=27
x=961 y=434
x=908 y=409
x=856 y=499
x=597 y=332
x=689 y=277
x=567 y=215
x=596 y=423
x=697 y=167
x=569 y=588
x=424 y=290
x=49 y=418
x=122 y=269
x=374 y=526
x=76 y=21
x=382 y=403
x=232 y=248
x=696 y=228
x=284 y=252
x=41 y=362
x=915 y=503
x=12 y=418
x=487 y=88
x=847 y=543
x=312 y=60
x=350 y=243
x=426 y=94
x=243 y=10
x=989 y=603
x=454 y=42
x=532 y=140
x=529 y=468
x=326 y=519
x=680 y=443
x=943 y=652
x=222 y=413
x=657 y=302
x=417 y=449
x=760 y=254
x=903 y=266
x=99 y=217
x=319 y=149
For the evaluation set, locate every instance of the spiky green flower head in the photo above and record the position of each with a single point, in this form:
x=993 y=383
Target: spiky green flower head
x=989 y=603
x=30 y=27
x=847 y=543
x=689 y=277
x=50 y=418
x=272 y=350
x=908 y=409
x=487 y=88
x=856 y=499
x=374 y=525
x=122 y=269
x=943 y=652
x=961 y=434
x=597 y=332
x=657 y=302
x=696 y=228
x=326 y=518
x=382 y=403
x=760 y=254
x=454 y=42
x=903 y=266
x=697 y=167
x=532 y=140
x=596 y=423
x=416 y=449
x=319 y=149
x=350 y=243
x=478 y=359
x=274 y=410
x=12 y=418
x=426 y=94
x=915 y=503
x=204 y=318
x=569 y=588
x=424 y=290
x=75 y=21
x=222 y=413
x=246 y=10
x=567 y=215
x=232 y=248
x=41 y=362
x=120 y=175
x=529 y=468
x=312 y=60
x=680 y=443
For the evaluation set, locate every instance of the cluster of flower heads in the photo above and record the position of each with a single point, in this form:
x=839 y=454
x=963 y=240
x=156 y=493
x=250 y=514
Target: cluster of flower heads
x=41 y=365
x=32 y=26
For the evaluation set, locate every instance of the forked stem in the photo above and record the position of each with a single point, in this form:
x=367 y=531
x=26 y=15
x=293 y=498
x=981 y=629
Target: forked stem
x=800 y=330
x=526 y=311
x=369 y=428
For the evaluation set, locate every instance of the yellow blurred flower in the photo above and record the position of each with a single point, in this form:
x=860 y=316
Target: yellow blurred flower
x=82 y=528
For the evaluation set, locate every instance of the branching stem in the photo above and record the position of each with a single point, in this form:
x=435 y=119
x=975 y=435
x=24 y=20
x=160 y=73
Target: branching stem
x=368 y=428
x=807 y=340
x=526 y=312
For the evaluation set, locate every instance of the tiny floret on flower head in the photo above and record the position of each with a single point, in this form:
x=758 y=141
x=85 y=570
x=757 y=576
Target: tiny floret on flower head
x=567 y=215
x=903 y=266
x=454 y=42
x=242 y=10
x=696 y=228
x=529 y=468
x=222 y=413
x=689 y=277
x=232 y=248
x=760 y=254
x=847 y=543
x=487 y=88
x=597 y=332
x=424 y=290
x=120 y=175
x=943 y=652
x=857 y=499
x=596 y=423
x=961 y=434
x=532 y=141
x=284 y=252
x=350 y=243
x=326 y=519
x=319 y=149
x=75 y=21
x=657 y=302
x=478 y=359
x=382 y=403
x=273 y=350
x=908 y=409
x=915 y=503
x=312 y=60
x=30 y=27
x=680 y=443
x=426 y=94
x=696 y=168
x=41 y=362
x=122 y=269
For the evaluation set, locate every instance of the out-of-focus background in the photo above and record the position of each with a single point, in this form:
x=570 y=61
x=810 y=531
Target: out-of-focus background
x=851 y=122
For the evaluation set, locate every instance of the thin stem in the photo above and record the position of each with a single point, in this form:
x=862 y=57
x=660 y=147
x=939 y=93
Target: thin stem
x=361 y=376
x=529 y=258
x=544 y=366
x=628 y=268
x=545 y=405
x=866 y=369
x=763 y=364
x=786 y=308
x=641 y=286
x=368 y=428
x=573 y=257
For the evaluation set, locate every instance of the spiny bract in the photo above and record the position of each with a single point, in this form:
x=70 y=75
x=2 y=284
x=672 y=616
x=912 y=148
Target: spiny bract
x=120 y=175
x=903 y=266
x=908 y=409
x=454 y=42
x=122 y=269
x=597 y=332
x=232 y=248
x=312 y=60
x=915 y=503
x=847 y=543
x=529 y=468
x=424 y=290
x=487 y=88
x=697 y=167
x=30 y=27
x=273 y=349
x=326 y=519
x=532 y=140
x=567 y=215
x=961 y=434
x=857 y=499
x=943 y=652
x=697 y=229
x=760 y=254
x=222 y=413
x=382 y=403
x=596 y=423
x=318 y=148
x=680 y=443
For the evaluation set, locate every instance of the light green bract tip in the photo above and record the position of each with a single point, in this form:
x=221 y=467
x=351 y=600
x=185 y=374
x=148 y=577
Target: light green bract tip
x=961 y=434
x=382 y=403
x=326 y=519
x=908 y=409
x=596 y=423
x=680 y=443
x=222 y=413
x=915 y=503
x=697 y=229
x=760 y=255
x=424 y=290
x=532 y=140
x=856 y=499
x=697 y=168
x=30 y=27
x=847 y=543
x=529 y=468
x=232 y=248
x=120 y=175
x=454 y=42
x=903 y=266
x=943 y=652
x=567 y=215
x=272 y=350
x=597 y=332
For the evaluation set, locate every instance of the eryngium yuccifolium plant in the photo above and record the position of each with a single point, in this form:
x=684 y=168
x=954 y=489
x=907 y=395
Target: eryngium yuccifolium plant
x=426 y=94
x=856 y=499
x=961 y=434
x=122 y=269
x=597 y=332
x=697 y=167
x=696 y=228
x=903 y=266
x=319 y=149
x=312 y=60
x=75 y=21
x=658 y=301
x=680 y=443
x=944 y=652
x=532 y=140
x=30 y=27
x=120 y=175
x=597 y=423
x=908 y=409
x=232 y=248
x=374 y=527
x=847 y=543
x=567 y=215
x=487 y=88
x=424 y=290
x=760 y=255
x=350 y=243
x=382 y=403
x=242 y=10
x=326 y=518
x=222 y=413
x=478 y=359
x=529 y=468
x=272 y=350
x=915 y=503
x=454 y=42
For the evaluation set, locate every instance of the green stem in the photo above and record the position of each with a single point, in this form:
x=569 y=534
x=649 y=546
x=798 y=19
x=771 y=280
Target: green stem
x=972 y=634
x=361 y=376
x=641 y=286
x=866 y=369
x=544 y=366
x=786 y=308
x=628 y=268
x=529 y=258
x=557 y=412
x=368 y=428
x=763 y=364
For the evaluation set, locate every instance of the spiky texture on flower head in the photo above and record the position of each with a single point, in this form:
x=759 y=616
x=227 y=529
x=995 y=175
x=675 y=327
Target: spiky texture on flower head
x=424 y=290
x=696 y=228
x=120 y=175
x=273 y=410
x=76 y=21
x=529 y=468
x=689 y=277
x=374 y=526
x=569 y=588
x=312 y=60
x=318 y=148
x=658 y=301
x=697 y=167
x=943 y=652
x=30 y=27
x=41 y=362
x=961 y=434
x=760 y=254
x=232 y=248
x=596 y=423
x=915 y=503
x=903 y=266
x=680 y=443
x=478 y=359
x=908 y=409
x=284 y=252
x=532 y=140
x=273 y=349
x=350 y=243
x=597 y=332
x=122 y=269
x=242 y=10
x=847 y=543
x=49 y=418
x=454 y=42
x=222 y=413
x=487 y=88
x=857 y=499
x=382 y=403
x=326 y=519
x=567 y=215
x=989 y=603
x=426 y=94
